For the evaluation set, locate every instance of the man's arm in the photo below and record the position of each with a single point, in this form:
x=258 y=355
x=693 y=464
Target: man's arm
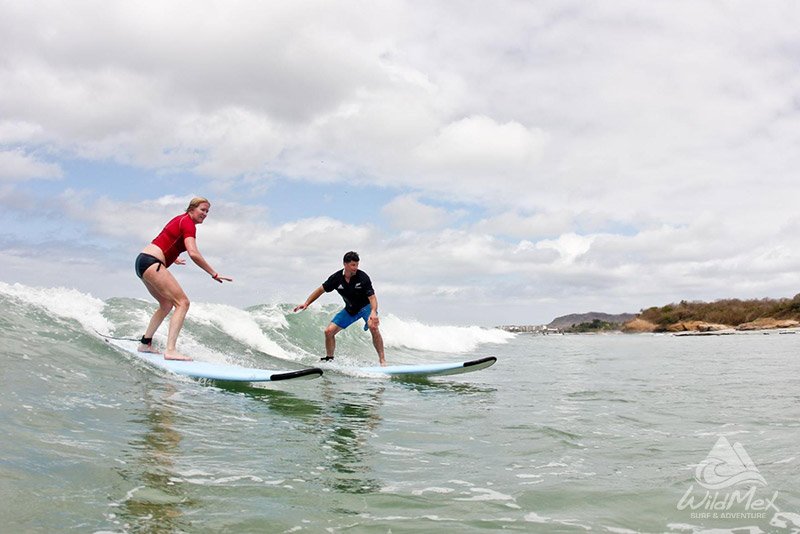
x=373 y=314
x=311 y=298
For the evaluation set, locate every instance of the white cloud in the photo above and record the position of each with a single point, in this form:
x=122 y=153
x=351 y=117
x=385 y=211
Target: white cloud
x=477 y=150
x=406 y=212
x=12 y=132
x=525 y=226
x=570 y=247
x=230 y=142
x=480 y=146
x=522 y=106
x=17 y=166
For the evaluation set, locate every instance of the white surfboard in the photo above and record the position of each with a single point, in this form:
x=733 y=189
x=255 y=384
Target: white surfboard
x=214 y=371
x=432 y=369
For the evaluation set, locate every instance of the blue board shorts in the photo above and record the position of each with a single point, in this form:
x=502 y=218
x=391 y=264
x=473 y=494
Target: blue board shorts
x=344 y=319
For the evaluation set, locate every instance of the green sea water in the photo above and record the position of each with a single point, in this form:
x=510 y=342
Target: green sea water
x=609 y=433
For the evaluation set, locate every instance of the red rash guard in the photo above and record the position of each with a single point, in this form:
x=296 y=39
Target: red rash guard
x=170 y=240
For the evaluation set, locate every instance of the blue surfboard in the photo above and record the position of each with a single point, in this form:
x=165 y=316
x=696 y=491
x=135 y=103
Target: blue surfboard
x=213 y=371
x=432 y=369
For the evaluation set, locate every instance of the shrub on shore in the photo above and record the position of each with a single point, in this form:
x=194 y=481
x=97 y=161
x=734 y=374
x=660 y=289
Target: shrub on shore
x=731 y=312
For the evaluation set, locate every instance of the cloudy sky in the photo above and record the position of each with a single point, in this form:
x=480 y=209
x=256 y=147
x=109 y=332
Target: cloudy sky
x=494 y=163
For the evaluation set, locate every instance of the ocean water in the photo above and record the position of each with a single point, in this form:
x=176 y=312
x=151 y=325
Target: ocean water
x=600 y=433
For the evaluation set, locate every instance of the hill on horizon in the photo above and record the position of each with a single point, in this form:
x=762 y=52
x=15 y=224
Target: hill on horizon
x=566 y=321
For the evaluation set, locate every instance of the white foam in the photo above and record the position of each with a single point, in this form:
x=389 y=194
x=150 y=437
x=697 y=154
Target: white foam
x=63 y=302
x=786 y=520
x=239 y=324
x=533 y=517
x=270 y=317
x=452 y=339
x=433 y=489
x=485 y=494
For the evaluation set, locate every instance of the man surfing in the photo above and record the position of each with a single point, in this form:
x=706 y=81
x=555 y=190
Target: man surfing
x=360 y=302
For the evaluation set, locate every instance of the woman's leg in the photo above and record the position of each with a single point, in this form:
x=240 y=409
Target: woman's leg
x=169 y=294
x=164 y=307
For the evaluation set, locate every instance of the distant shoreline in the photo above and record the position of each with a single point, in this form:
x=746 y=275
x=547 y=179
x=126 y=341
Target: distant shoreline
x=696 y=332
x=721 y=316
x=592 y=323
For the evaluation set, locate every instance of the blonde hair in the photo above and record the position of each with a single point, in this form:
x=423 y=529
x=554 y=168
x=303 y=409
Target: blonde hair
x=196 y=201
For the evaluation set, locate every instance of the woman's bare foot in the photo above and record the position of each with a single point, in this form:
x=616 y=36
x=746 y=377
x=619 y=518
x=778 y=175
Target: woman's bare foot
x=148 y=348
x=175 y=355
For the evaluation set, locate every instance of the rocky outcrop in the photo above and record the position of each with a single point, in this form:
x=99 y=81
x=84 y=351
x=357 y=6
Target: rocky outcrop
x=641 y=326
x=696 y=326
x=632 y=324
x=768 y=324
x=638 y=326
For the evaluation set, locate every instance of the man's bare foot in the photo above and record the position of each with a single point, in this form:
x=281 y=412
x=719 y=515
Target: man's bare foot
x=383 y=363
x=148 y=348
x=175 y=355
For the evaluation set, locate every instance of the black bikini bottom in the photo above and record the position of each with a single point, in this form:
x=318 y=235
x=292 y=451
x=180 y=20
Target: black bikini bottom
x=143 y=261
